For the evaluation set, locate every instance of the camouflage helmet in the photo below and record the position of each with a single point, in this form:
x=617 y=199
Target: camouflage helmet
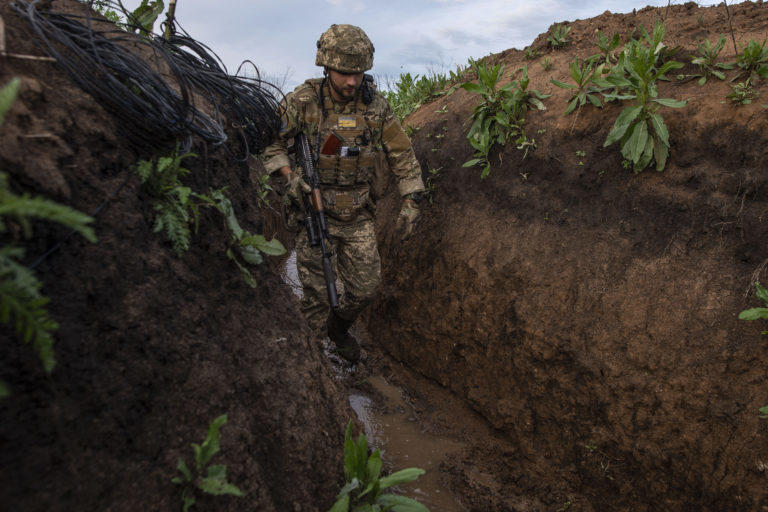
x=346 y=49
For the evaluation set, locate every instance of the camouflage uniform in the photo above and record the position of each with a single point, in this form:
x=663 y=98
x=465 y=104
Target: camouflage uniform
x=346 y=183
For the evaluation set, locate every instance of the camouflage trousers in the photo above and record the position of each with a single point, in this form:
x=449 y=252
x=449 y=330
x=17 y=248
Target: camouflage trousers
x=355 y=263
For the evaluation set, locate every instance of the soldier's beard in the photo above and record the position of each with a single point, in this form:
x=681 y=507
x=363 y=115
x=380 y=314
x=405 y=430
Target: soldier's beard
x=345 y=93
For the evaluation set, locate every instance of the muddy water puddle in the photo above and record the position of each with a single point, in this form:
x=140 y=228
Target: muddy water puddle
x=392 y=428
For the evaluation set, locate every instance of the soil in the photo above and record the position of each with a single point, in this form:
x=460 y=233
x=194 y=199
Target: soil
x=589 y=314
x=151 y=347
x=570 y=326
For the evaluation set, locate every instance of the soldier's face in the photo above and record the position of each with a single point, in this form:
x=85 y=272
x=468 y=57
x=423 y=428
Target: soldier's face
x=344 y=86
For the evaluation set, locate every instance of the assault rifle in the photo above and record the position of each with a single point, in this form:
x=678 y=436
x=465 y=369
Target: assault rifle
x=314 y=219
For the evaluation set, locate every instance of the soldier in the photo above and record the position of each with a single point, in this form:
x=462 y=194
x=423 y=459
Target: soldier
x=345 y=105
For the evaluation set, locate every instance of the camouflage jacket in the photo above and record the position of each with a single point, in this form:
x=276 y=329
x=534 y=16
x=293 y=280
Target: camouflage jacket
x=303 y=113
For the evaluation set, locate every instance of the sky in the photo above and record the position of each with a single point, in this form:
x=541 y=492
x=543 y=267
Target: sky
x=416 y=36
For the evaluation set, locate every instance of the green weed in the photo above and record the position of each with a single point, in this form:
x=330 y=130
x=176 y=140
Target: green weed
x=145 y=15
x=21 y=301
x=209 y=479
x=530 y=53
x=173 y=203
x=763 y=412
x=583 y=75
x=558 y=36
x=411 y=92
x=501 y=114
x=640 y=129
x=177 y=209
x=607 y=48
x=364 y=483
x=245 y=247
x=707 y=60
x=546 y=64
x=743 y=93
x=757 y=313
x=753 y=60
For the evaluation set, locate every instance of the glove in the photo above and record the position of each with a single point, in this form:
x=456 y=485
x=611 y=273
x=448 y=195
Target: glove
x=295 y=185
x=407 y=218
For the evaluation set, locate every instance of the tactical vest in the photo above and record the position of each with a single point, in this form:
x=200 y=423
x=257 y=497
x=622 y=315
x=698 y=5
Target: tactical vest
x=346 y=176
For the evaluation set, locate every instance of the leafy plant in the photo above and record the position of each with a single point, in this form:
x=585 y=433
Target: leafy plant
x=546 y=64
x=753 y=59
x=764 y=412
x=143 y=18
x=102 y=7
x=707 y=60
x=244 y=245
x=757 y=313
x=640 y=129
x=530 y=53
x=178 y=207
x=743 y=93
x=583 y=74
x=411 y=92
x=364 y=483
x=606 y=47
x=501 y=114
x=558 y=36
x=209 y=479
x=20 y=299
x=174 y=207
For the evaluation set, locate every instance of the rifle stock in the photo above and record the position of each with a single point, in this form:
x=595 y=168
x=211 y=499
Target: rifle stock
x=314 y=220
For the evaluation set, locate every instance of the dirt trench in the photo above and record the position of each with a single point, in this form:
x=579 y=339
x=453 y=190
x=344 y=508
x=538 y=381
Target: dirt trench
x=571 y=324
x=151 y=347
x=589 y=314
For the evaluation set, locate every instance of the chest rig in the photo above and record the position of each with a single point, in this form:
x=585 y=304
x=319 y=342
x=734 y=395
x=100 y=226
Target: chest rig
x=345 y=175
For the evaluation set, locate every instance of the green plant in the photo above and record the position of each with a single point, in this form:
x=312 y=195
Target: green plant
x=743 y=93
x=558 y=36
x=145 y=15
x=430 y=184
x=546 y=64
x=411 y=92
x=244 y=247
x=764 y=412
x=215 y=479
x=174 y=208
x=757 y=313
x=21 y=301
x=530 y=53
x=640 y=129
x=102 y=7
x=606 y=47
x=364 y=483
x=706 y=60
x=501 y=113
x=753 y=59
x=583 y=74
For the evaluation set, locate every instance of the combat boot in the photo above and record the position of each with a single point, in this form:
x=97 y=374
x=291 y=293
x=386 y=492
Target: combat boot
x=338 y=332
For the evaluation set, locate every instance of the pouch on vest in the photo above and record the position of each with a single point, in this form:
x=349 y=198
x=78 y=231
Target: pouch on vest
x=345 y=204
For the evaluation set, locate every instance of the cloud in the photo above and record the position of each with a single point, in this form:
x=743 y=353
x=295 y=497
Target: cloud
x=351 y=5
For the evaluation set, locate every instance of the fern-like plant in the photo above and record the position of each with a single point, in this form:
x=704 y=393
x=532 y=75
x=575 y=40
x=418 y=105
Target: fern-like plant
x=209 y=479
x=21 y=301
x=174 y=209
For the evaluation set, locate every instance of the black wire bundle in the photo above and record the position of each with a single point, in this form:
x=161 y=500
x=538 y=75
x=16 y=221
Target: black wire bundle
x=152 y=85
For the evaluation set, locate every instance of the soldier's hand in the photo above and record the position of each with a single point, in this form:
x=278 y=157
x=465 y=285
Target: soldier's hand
x=295 y=185
x=407 y=218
